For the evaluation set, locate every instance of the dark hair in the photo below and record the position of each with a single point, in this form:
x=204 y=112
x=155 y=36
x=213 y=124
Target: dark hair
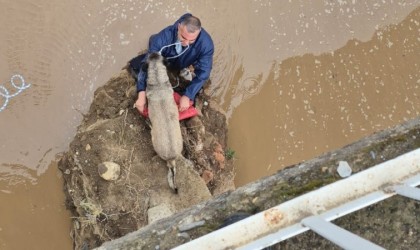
x=192 y=23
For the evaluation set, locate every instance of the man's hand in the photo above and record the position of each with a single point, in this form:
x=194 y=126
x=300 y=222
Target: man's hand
x=184 y=103
x=141 y=101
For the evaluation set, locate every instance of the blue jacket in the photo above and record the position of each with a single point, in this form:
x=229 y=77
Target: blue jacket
x=199 y=54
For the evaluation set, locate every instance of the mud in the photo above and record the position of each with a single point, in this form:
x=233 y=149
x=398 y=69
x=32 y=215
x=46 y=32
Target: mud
x=114 y=131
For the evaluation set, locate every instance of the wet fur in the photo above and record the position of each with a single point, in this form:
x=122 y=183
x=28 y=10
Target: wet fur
x=163 y=114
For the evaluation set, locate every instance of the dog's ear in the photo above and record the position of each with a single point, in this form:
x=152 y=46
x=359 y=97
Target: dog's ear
x=144 y=67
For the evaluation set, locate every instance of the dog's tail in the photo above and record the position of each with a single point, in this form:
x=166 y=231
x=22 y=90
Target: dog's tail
x=172 y=163
x=171 y=175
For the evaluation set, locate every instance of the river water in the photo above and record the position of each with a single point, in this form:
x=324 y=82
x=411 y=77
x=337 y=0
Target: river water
x=295 y=79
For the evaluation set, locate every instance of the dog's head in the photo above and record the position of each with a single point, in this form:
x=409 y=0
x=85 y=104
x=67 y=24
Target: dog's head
x=154 y=57
x=157 y=73
x=186 y=74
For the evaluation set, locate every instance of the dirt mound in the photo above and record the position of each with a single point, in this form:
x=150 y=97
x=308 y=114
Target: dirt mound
x=113 y=131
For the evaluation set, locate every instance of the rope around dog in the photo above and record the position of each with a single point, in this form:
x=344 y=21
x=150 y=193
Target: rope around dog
x=5 y=93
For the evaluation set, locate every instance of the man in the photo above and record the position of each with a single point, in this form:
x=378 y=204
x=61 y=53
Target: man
x=183 y=44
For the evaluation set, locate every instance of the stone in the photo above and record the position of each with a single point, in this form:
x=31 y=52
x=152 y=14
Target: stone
x=158 y=212
x=109 y=171
x=220 y=159
x=344 y=169
x=187 y=227
x=219 y=155
x=207 y=176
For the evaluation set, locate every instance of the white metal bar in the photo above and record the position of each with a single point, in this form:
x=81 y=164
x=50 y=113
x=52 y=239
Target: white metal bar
x=338 y=235
x=286 y=215
x=355 y=205
x=412 y=181
x=407 y=191
x=329 y=215
x=332 y=214
x=274 y=238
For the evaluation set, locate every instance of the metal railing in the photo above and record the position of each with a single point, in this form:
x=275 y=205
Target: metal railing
x=314 y=210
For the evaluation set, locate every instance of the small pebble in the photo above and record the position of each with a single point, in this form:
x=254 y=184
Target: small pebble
x=373 y=155
x=109 y=171
x=185 y=236
x=344 y=169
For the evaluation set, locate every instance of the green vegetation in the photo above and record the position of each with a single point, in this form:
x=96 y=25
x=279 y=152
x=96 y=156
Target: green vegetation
x=230 y=154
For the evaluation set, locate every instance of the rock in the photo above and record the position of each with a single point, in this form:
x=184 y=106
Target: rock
x=187 y=227
x=373 y=155
x=184 y=236
x=219 y=155
x=218 y=148
x=220 y=158
x=158 y=212
x=109 y=171
x=207 y=176
x=88 y=147
x=344 y=169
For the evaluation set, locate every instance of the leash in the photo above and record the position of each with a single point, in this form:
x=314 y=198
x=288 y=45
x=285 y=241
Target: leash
x=166 y=46
x=5 y=93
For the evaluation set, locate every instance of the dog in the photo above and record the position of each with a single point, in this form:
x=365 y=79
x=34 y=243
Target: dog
x=163 y=115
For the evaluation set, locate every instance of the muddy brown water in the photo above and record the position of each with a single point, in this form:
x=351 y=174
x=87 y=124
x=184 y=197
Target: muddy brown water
x=295 y=79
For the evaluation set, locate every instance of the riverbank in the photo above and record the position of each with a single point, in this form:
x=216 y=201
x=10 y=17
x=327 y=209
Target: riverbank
x=114 y=131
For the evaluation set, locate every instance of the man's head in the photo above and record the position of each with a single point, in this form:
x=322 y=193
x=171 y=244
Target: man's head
x=188 y=30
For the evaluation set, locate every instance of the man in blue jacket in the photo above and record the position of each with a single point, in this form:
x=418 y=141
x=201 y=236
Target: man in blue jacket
x=183 y=44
